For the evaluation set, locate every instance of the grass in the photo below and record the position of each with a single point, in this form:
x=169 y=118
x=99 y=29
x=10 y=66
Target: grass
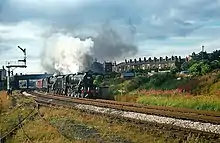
x=15 y=107
x=8 y=121
x=39 y=131
x=102 y=124
x=201 y=93
x=199 y=102
x=5 y=102
x=194 y=102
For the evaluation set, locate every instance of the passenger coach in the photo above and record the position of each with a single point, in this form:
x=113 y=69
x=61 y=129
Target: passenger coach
x=30 y=81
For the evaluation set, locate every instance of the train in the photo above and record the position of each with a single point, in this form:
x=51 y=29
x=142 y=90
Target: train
x=79 y=85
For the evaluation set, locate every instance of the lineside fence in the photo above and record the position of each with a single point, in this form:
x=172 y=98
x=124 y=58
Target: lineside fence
x=21 y=120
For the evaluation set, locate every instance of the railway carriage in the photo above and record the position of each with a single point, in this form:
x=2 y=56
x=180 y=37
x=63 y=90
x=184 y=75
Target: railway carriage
x=39 y=83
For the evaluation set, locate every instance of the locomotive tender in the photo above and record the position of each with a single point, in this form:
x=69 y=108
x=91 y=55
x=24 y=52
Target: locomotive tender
x=76 y=85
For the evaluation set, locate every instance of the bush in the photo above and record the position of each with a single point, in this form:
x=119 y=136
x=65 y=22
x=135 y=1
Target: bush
x=157 y=81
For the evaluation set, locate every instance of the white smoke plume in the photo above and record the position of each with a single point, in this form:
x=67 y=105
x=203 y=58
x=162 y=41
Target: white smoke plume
x=67 y=54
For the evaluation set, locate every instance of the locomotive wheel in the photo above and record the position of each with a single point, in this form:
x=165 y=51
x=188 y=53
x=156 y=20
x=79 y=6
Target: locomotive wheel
x=69 y=92
x=82 y=95
x=77 y=95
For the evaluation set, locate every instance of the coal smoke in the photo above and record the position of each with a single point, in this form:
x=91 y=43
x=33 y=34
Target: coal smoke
x=64 y=53
x=108 y=45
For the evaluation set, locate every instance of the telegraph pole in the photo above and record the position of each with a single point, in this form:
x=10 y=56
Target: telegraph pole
x=15 y=66
x=202 y=53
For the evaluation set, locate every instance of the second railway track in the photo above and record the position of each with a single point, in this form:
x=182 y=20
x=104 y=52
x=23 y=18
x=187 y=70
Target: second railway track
x=179 y=113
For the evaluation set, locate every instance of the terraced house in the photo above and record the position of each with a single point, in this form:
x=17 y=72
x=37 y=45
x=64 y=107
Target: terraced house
x=151 y=63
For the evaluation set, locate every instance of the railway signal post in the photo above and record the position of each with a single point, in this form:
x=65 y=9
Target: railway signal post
x=23 y=65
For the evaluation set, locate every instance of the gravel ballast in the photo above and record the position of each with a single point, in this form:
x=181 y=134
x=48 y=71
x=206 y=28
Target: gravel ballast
x=207 y=127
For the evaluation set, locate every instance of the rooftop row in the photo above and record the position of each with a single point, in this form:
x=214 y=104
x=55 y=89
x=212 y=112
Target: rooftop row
x=172 y=58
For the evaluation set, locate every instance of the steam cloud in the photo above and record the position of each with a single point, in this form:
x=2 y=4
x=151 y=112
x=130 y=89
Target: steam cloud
x=68 y=54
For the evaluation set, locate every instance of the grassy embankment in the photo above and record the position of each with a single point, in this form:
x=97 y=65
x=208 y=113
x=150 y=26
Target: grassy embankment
x=165 y=90
x=13 y=108
x=79 y=127
x=70 y=125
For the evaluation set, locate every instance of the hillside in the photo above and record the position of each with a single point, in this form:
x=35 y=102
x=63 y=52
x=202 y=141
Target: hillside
x=167 y=89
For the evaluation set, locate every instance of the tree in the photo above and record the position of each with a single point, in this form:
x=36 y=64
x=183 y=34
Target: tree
x=205 y=68
x=174 y=70
x=200 y=68
x=195 y=69
x=215 y=64
x=98 y=80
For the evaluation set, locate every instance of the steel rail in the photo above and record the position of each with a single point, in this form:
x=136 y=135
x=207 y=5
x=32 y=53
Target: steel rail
x=176 y=129
x=193 y=115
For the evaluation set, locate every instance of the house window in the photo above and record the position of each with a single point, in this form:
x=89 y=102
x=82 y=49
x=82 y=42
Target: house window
x=173 y=64
x=153 y=66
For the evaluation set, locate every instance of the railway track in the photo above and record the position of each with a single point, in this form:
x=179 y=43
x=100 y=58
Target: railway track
x=178 y=113
x=175 y=120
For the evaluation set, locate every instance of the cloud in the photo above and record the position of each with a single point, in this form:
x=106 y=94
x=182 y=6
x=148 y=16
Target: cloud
x=170 y=20
x=153 y=26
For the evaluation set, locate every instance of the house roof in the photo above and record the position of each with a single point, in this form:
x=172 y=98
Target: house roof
x=144 y=62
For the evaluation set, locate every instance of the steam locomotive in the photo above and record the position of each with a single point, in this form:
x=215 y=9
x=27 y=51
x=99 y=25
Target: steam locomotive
x=76 y=85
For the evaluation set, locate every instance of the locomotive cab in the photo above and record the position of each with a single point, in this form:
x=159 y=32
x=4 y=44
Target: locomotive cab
x=88 y=89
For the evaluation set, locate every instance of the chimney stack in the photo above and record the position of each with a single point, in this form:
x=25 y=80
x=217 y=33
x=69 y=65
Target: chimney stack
x=145 y=59
x=166 y=58
x=135 y=60
x=180 y=58
x=176 y=58
x=139 y=59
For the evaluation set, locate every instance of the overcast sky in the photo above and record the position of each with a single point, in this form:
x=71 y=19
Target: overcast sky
x=157 y=28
